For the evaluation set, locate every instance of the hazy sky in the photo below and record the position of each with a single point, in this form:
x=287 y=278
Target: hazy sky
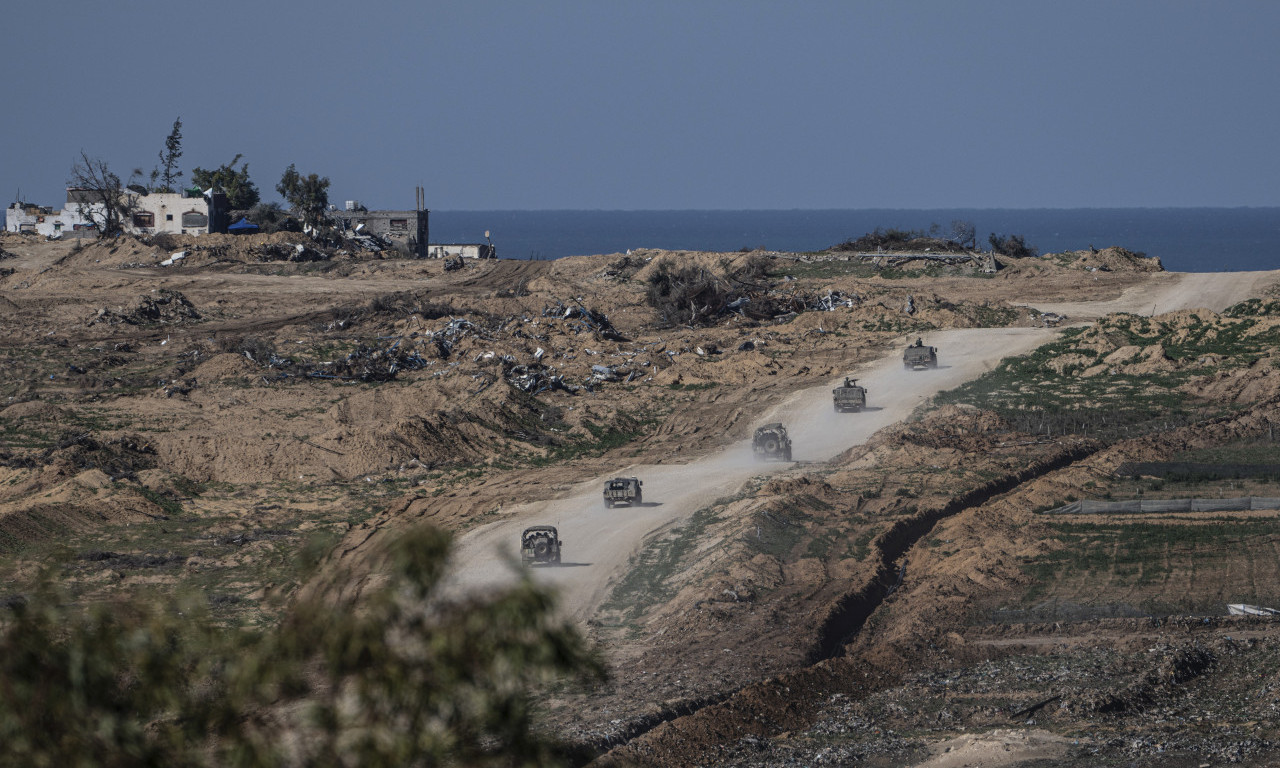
x=661 y=105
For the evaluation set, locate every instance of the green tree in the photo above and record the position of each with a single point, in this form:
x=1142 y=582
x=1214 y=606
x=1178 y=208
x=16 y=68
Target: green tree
x=407 y=678
x=167 y=173
x=240 y=190
x=309 y=195
x=271 y=217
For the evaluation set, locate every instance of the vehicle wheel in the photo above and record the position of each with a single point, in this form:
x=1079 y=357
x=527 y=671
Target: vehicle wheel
x=787 y=455
x=608 y=504
x=639 y=498
x=557 y=560
x=540 y=549
x=770 y=446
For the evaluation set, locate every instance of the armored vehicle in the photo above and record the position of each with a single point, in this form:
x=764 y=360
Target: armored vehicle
x=623 y=490
x=540 y=544
x=849 y=396
x=771 y=442
x=918 y=356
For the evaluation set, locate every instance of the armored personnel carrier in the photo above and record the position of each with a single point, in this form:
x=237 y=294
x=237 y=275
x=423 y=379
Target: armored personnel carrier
x=771 y=442
x=623 y=490
x=849 y=396
x=540 y=544
x=919 y=357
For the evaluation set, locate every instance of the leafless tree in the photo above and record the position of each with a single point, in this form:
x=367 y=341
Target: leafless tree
x=100 y=197
x=964 y=233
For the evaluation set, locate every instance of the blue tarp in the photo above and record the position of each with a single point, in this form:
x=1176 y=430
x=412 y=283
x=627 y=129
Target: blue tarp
x=242 y=226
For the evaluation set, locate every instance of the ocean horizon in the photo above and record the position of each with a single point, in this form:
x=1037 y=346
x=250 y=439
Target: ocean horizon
x=1184 y=239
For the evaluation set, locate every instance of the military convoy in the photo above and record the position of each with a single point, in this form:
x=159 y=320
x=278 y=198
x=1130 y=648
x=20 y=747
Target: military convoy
x=849 y=396
x=771 y=442
x=540 y=544
x=623 y=490
x=918 y=357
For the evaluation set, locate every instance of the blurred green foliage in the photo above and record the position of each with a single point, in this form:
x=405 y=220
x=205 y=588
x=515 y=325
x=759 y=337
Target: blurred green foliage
x=404 y=678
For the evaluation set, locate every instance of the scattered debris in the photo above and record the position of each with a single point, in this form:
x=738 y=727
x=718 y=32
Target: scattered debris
x=1244 y=609
x=119 y=560
x=163 y=308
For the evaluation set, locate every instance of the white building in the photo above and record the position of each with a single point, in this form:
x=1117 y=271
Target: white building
x=170 y=213
x=177 y=213
x=41 y=220
x=465 y=250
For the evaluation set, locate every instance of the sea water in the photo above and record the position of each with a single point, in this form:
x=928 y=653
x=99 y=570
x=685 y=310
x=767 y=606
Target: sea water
x=1185 y=239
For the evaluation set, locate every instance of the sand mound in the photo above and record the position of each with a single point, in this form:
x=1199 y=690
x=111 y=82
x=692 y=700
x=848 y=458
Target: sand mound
x=114 y=252
x=34 y=410
x=1112 y=259
x=225 y=366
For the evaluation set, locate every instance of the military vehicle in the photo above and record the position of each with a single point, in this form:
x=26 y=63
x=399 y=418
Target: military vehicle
x=623 y=490
x=540 y=544
x=849 y=396
x=771 y=442
x=919 y=357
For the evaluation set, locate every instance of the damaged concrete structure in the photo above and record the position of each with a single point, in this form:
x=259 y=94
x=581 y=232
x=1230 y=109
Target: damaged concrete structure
x=409 y=231
x=147 y=213
x=406 y=230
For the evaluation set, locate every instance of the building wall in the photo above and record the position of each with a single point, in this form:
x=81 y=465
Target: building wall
x=170 y=213
x=40 y=220
x=406 y=227
x=465 y=250
x=154 y=213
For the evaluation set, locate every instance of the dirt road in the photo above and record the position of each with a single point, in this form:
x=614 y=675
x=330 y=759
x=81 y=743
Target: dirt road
x=1170 y=291
x=598 y=542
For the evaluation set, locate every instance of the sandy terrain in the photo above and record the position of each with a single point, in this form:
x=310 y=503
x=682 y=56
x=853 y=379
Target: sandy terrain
x=208 y=426
x=599 y=542
x=1171 y=291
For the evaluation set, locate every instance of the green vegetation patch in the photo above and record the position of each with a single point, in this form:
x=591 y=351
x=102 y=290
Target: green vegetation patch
x=602 y=439
x=647 y=581
x=1040 y=393
x=1156 y=567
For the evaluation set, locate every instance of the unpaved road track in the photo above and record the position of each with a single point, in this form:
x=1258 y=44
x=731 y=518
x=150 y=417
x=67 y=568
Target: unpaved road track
x=599 y=542
x=1171 y=291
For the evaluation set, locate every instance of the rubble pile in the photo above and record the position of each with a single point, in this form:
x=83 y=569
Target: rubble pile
x=289 y=252
x=118 y=457
x=584 y=319
x=163 y=307
x=365 y=363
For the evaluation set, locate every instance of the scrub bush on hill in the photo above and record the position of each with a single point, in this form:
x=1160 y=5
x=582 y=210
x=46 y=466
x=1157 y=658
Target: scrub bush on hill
x=693 y=295
x=1013 y=246
x=911 y=240
x=404 y=679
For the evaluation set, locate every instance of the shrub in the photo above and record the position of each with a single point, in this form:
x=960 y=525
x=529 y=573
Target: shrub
x=1013 y=246
x=407 y=679
x=688 y=295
